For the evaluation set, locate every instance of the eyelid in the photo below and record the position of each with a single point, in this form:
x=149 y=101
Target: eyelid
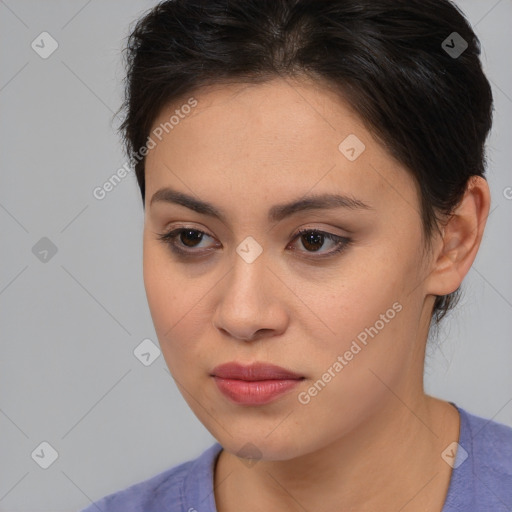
x=326 y=230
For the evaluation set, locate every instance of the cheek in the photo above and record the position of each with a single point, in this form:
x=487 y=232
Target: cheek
x=367 y=311
x=369 y=352
x=176 y=304
x=358 y=293
x=161 y=292
x=164 y=291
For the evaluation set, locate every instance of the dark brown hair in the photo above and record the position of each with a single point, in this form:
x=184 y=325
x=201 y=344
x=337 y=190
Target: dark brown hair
x=395 y=61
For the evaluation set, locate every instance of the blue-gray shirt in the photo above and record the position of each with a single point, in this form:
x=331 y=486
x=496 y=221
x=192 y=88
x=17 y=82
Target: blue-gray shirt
x=481 y=478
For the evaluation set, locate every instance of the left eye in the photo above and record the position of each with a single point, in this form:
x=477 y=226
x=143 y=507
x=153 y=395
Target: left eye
x=181 y=240
x=312 y=238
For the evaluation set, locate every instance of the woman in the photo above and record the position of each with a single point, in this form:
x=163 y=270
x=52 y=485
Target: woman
x=312 y=175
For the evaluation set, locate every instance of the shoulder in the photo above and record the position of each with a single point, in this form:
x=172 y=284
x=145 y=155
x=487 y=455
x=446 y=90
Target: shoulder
x=486 y=477
x=491 y=444
x=145 y=495
x=164 y=492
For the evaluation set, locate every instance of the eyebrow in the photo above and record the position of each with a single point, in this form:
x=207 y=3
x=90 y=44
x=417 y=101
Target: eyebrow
x=276 y=213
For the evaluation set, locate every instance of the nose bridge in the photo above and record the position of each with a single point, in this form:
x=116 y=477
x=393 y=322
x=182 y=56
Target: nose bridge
x=247 y=282
x=246 y=304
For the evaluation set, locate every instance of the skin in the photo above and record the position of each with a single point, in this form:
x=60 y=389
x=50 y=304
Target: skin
x=371 y=439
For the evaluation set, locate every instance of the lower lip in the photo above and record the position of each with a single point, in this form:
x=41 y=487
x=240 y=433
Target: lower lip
x=258 y=392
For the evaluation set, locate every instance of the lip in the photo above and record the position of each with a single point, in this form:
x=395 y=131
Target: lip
x=254 y=371
x=255 y=384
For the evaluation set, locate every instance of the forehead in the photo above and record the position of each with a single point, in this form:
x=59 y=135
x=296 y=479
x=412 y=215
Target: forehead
x=285 y=135
x=281 y=110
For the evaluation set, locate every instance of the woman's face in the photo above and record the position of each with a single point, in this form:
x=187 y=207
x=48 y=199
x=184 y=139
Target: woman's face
x=352 y=323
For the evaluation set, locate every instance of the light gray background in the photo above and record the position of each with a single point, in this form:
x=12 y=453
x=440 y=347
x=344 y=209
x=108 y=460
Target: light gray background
x=68 y=375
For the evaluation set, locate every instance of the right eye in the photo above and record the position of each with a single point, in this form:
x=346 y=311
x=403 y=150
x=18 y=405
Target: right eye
x=179 y=239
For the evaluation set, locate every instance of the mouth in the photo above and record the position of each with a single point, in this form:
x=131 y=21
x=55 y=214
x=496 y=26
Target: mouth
x=255 y=384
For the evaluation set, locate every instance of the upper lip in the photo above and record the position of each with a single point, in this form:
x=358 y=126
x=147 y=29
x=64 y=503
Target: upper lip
x=253 y=372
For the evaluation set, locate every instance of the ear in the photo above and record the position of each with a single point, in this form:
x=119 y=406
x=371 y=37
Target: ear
x=461 y=237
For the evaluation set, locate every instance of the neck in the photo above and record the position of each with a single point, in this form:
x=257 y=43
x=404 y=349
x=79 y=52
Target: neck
x=392 y=460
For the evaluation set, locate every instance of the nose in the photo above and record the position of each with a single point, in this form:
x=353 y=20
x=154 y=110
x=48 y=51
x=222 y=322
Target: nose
x=250 y=302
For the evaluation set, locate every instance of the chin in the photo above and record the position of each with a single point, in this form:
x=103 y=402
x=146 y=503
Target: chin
x=262 y=446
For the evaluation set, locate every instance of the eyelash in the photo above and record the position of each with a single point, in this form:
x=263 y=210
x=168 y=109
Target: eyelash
x=170 y=237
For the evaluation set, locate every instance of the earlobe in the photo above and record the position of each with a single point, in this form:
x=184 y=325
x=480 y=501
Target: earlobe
x=461 y=238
